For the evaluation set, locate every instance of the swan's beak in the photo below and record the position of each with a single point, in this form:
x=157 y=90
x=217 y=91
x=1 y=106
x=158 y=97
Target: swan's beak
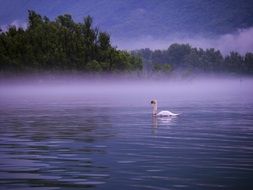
x=152 y=102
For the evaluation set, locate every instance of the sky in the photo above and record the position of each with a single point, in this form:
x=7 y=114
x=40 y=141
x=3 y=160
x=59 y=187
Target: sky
x=226 y=25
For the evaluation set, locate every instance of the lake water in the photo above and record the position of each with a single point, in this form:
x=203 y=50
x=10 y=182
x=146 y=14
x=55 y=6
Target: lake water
x=67 y=138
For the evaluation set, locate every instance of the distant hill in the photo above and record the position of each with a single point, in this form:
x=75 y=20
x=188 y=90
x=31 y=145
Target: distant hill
x=135 y=18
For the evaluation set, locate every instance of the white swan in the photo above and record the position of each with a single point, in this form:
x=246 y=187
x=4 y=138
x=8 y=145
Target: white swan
x=161 y=113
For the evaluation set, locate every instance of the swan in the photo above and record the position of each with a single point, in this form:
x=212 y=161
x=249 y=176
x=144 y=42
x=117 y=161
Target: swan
x=161 y=113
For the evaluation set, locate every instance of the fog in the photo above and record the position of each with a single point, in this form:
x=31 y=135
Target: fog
x=125 y=91
x=240 y=41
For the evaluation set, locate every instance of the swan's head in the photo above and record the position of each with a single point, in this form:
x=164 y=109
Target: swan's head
x=153 y=102
x=154 y=105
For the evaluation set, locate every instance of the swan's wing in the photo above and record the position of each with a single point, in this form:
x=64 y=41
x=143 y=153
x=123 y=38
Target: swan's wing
x=166 y=113
x=173 y=114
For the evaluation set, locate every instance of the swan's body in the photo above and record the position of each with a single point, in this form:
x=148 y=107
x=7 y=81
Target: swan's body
x=166 y=114
x=161 y=113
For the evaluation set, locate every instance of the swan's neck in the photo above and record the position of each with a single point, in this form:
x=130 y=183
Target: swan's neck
x=154 y=109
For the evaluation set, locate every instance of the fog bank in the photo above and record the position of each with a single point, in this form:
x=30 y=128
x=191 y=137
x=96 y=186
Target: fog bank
x=240 y=41
x=127 y=92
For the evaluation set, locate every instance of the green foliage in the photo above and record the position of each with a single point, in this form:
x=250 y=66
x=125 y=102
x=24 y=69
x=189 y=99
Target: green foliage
x=62 y=45
x=94 y=66
x=184 y=57
x=164 y=68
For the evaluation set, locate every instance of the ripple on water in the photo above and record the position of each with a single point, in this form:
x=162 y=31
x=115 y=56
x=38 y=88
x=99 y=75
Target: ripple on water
x=46 y=148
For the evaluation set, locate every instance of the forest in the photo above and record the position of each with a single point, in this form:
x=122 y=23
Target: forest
x=183 y=57
x=61 y=45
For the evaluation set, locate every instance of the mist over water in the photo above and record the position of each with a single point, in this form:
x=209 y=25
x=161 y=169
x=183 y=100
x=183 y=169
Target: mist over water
x=82 y=133
x=128 y=90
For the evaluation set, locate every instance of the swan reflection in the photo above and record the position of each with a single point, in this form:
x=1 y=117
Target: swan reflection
x=166 y=121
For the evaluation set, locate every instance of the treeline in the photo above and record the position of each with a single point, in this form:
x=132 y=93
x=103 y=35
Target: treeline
x=61 y=45
x=186 y=58
x=64 y=45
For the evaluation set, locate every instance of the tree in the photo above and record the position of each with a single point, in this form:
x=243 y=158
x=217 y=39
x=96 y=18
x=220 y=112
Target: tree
x=248 y=63
x=176 y=53
x=34 y=19
x=185 y=58
x=61 y=44
x=234 y=62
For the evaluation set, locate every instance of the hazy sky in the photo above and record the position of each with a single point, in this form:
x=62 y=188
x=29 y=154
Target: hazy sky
x=240 y=41
x=226 y=25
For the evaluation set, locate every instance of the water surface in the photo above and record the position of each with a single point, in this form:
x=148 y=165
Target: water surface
x=104 y=137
